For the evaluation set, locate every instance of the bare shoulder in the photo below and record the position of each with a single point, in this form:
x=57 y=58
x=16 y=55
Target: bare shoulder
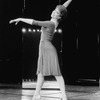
x=44 y=23
x=52 y=24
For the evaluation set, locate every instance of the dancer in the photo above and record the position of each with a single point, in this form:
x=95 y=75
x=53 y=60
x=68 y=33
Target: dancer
x=48 y=60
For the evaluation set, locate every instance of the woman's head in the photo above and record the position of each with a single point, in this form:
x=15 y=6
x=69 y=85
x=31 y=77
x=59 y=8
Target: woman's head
x=59 y=13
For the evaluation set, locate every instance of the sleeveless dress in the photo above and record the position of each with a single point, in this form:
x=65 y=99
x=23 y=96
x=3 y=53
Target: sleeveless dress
x=48 y=63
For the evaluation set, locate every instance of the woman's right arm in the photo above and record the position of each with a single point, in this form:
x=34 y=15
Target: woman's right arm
x=25 y=20
x=32 y=22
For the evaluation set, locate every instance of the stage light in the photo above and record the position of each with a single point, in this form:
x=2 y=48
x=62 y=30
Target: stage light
x=34 y=30
x=23 y=30
x=59 y=30
x=29 y=30
x=38 y=30
x=55 y=30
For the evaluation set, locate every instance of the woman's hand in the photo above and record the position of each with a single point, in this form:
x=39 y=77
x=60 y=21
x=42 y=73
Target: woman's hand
x=15 y=20
x=66 y=4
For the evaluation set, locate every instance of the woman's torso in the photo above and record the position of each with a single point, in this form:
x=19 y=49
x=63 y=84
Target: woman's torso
x=47 y=33
x=47 y=36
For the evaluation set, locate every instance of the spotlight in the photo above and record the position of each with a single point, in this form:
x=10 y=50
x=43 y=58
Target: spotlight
x=59 y=30
x=55 y=30
x=34 y=30
x=38 y=30
x=29 y=30
x=23 y=30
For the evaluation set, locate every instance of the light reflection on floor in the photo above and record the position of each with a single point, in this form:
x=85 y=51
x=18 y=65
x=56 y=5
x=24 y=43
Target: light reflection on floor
x=50 y=91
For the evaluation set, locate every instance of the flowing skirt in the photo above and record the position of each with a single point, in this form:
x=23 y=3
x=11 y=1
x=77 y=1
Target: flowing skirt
x=48 y=63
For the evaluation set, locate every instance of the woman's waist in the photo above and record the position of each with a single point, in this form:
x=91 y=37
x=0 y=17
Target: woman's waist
x=45 y=40
x=46 y=43
x=45 y=37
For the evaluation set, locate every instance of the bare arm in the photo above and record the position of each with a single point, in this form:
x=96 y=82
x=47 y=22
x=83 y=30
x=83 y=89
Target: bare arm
x=42 y=23
x=17 y=20
x=32 y=22
x=66 y=4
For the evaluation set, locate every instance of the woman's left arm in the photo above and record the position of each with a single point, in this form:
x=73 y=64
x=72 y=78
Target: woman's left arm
x=66 y=4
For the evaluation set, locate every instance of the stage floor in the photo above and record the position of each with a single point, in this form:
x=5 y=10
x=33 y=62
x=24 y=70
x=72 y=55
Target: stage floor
x=50 y=91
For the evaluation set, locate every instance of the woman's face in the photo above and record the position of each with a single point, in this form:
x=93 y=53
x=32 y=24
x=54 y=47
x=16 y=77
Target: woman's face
x=55 y=14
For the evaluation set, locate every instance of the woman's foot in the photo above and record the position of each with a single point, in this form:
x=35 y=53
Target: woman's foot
x=63 y=97
x=36 y=97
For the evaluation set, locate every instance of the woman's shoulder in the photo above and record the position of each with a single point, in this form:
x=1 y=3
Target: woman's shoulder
x=50 y=28
x=52 y=23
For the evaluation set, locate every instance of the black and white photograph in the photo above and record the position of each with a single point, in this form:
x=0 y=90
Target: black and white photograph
x=49 y=50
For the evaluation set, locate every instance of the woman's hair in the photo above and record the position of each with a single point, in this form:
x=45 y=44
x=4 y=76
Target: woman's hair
x=63 y=11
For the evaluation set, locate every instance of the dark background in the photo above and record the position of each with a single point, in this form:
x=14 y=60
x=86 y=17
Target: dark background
x=81 y=45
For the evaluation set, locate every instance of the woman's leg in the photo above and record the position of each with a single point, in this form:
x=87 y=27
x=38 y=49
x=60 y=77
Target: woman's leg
x=61 y=84
x=40 y=81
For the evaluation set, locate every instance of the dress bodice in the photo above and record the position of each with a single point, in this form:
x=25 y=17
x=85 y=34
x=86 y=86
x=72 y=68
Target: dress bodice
x=47 y=33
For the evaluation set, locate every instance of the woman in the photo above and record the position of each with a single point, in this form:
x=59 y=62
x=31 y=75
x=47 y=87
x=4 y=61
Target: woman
x=48 y=61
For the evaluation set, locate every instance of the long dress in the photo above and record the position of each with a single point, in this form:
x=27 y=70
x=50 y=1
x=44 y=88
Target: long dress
x=48 y=63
